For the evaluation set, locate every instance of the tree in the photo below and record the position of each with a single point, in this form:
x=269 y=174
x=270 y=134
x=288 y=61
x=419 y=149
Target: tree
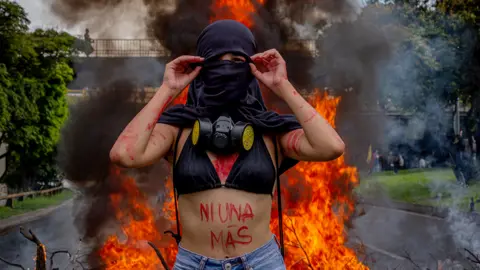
x=468 y=12
x=34 y=73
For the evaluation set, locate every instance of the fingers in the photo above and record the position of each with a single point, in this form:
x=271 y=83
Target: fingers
x=187 y=59
x=194 y=74
x=256 y=72
x=268 y=56
x=256 y=56
x=182 y=62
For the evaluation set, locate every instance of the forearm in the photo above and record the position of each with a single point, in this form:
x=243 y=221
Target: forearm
x=319 y=134
x=134 y=139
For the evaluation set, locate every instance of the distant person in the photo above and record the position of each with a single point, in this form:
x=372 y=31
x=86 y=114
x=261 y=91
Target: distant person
x=477 y=139
x=392 y=160
x=86 y=36
x=459 y=147
x=422 y=164
x=377 y=167
x=370 y=160
x=87 y=45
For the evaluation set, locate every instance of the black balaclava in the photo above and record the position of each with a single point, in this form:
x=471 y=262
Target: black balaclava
x=228 y=87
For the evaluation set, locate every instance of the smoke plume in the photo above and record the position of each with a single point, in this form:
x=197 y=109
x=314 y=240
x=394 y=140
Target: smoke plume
x=89 y=134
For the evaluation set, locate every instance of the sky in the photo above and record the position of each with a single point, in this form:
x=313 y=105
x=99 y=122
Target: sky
x=125 y=21
x=40 y=16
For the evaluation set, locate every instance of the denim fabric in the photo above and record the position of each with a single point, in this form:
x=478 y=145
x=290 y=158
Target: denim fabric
x=266 y=257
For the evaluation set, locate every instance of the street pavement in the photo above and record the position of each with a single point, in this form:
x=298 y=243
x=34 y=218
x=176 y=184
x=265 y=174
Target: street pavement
x=393 y=239
x=56 y=231
x=397 y=239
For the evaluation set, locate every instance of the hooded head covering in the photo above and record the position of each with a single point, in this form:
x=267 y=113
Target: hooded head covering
x=228 y=87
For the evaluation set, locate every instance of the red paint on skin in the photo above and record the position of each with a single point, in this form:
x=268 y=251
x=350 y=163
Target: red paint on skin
x=293 y=140
x=313 y=114
x=165 y=105
x=233 y=237
x=150 y=126
x=216 y=240
x=129 y=141
x=115 y=157
x=226 y=212
x=223 y=166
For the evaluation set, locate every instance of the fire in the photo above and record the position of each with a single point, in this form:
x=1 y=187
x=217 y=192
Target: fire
x=130 y=249
x=315 y=214
x=182 y=98
x=239 y=10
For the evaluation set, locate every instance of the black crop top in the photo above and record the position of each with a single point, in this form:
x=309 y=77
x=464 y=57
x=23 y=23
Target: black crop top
x=253 y=171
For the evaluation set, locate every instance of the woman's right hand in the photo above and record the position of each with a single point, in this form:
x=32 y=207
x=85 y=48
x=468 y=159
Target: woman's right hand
x=178 y=73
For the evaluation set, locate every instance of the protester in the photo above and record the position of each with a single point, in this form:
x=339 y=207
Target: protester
x=232 y=165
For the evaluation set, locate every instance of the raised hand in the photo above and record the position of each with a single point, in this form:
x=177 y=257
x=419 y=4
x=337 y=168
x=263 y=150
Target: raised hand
x=270 y=69
x=178 y=73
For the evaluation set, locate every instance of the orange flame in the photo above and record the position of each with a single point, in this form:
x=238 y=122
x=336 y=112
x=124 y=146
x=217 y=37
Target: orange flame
x=239 y=10
x=314 y=225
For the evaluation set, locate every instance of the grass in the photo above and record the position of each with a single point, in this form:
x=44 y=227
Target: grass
x=34 y=204
x=436 y=187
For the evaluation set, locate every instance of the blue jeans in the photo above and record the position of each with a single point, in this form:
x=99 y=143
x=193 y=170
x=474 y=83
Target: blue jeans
x=266 y=257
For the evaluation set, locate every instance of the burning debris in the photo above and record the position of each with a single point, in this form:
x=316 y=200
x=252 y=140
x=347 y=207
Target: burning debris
x=41 y=254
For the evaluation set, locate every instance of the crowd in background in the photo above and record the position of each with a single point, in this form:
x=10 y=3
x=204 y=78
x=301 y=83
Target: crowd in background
x=460 y=154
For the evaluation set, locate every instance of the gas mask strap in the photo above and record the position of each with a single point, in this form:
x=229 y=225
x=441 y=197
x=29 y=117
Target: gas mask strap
x=279 y=200
x=177 y=235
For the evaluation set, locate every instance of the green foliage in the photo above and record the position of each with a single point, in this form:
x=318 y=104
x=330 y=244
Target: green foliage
x=34 y=74
x=4 y=86
x=427 y=64
x=468 y=12
x=32 y=204
x=436 y=187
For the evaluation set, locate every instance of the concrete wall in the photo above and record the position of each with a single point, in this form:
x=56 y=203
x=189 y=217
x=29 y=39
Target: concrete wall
x=97 y=71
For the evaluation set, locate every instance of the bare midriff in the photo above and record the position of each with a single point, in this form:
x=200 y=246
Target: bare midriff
x=224 y=223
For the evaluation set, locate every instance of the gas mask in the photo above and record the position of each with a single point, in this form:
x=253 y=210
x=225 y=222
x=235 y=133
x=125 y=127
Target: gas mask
x=223 y=136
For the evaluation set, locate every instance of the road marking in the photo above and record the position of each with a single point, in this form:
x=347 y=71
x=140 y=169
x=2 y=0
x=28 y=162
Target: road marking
x=379 y=250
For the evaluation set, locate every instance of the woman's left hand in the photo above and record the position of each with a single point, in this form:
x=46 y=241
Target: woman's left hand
x=270 y=69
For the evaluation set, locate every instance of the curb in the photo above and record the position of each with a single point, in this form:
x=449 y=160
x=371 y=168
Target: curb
x=9 y=223
x=440 y=212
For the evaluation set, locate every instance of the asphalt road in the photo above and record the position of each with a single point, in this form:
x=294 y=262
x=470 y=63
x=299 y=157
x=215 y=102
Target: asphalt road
x=397 y=239
x=56 y=231
x=388 y=236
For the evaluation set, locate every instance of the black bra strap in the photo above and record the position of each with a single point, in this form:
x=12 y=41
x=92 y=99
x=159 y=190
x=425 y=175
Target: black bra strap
x=177 y=235
x=279 y=202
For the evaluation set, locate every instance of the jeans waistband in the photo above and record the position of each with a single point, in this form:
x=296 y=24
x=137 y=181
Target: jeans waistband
x=263 y=251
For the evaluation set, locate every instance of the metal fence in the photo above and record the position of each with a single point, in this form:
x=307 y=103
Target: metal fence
x=152 y=48
x=127 y=48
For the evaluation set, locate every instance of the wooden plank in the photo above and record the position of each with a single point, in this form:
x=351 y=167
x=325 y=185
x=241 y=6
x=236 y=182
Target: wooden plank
x=29 y=193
